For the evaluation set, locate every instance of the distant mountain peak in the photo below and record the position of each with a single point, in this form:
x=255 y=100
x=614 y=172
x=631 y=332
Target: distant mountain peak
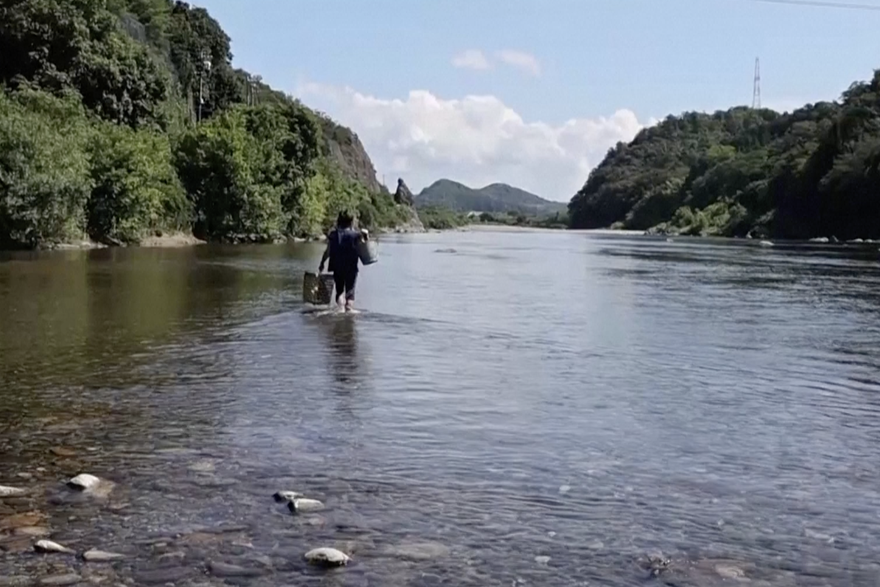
x=495 y=197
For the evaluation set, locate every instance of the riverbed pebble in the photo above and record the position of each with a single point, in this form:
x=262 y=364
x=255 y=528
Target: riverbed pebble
x=47 y=546
x=329 y=557
x=84 y=482
x=305 y=505
x=61 y=580
x=287 y=496
x=11 y=491
x=225 y=570
x=100 y=556
x=417 y=551
x=91 y=485
x=32 y=531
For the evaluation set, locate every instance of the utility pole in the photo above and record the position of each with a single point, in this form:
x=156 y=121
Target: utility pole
x=756 y=90
x=203 y=67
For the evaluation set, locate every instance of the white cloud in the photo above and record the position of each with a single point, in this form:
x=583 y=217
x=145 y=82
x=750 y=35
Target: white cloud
x=471 y=59
x=521 y=60
x=476 y=140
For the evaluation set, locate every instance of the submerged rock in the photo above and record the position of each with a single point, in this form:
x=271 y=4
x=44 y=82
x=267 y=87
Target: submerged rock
x=227 y=570
x=283 y=496
x=417 y=551
x=656 y=563
x=32 y=531
x=47 y=546
x=305 y=505
x=61 y=580
x=99 y=556
x=328 y=557
x=24 y=520
x=61 y=451
x=11 y=491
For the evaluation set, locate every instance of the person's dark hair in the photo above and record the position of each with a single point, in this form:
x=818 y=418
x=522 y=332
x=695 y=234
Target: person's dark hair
x=344 y=220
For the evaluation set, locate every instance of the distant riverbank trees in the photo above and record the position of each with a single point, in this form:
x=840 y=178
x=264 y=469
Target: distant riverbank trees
x=123 y=119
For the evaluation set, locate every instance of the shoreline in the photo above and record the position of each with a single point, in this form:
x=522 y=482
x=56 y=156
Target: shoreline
x=182 y=239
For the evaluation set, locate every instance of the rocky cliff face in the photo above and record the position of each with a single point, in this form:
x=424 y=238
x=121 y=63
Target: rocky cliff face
x=345 y=148
x=403 y=195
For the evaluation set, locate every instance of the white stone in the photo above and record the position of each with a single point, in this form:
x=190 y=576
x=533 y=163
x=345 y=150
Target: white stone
x=49 y=546
x=327 y=556
x=542 y=560
x=91 y=485
x=11 y=491
x=305 y=505
x=99 y=556
x=84 y=482
x=282 y=496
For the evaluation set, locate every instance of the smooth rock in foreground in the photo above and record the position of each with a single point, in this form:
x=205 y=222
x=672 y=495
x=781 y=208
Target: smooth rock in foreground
x=328 y=557
x=47 y=546
x=11 y=491
x=283 y=496
x=99 y=556
x=305 y=505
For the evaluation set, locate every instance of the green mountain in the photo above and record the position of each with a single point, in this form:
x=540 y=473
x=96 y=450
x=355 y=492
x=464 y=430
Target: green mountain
x=813 y=172
x=497 y=197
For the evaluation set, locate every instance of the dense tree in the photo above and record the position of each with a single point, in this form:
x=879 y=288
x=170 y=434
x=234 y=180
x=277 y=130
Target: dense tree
x=811 y=172
x=44 y=168
x=78 y=44
x=136 y=189
x=98 y=135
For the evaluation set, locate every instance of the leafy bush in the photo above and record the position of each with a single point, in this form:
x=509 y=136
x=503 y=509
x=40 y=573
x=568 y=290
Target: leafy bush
x=136 y=188
x=44 y=168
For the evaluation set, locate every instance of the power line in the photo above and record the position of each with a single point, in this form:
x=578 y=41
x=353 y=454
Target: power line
x=823 y=4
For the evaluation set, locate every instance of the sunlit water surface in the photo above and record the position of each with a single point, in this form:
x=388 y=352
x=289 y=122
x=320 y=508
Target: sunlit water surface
x=510 y=408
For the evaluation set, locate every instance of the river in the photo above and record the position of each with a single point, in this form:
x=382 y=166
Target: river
x=510 y=408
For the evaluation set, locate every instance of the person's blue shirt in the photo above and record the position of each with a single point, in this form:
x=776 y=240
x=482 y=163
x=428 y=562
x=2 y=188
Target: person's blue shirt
x=343 y=250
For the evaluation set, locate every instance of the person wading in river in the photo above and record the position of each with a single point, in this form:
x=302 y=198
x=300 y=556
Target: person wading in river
x=342 y=252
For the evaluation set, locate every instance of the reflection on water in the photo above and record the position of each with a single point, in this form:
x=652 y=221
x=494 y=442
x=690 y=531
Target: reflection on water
x=509 y=409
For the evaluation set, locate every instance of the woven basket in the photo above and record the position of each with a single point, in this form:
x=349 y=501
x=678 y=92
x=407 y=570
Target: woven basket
x=317 y=289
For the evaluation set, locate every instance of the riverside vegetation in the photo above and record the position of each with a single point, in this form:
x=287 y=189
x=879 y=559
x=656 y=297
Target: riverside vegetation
x=811 y=173
x=102 y=134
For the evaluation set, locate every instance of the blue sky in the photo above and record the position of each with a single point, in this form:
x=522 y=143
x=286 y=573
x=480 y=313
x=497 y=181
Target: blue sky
x=534 y=92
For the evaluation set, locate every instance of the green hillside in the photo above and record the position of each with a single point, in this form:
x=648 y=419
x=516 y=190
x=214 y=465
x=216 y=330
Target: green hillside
x=814 y=172
x=103 y=133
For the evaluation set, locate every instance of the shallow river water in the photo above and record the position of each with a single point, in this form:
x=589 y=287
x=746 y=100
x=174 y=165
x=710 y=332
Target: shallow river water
x=510 y=408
